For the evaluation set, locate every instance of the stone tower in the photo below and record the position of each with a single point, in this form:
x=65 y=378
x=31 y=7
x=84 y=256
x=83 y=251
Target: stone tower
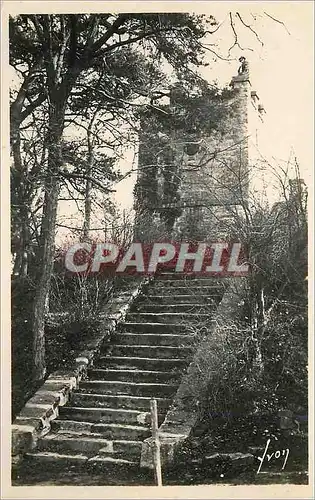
x=211 y=171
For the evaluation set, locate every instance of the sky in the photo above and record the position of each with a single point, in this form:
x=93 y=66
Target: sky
x=281 y=71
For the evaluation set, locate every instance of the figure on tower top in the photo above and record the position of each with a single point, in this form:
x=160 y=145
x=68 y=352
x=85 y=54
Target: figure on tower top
x=244 y=68
x=242 y=73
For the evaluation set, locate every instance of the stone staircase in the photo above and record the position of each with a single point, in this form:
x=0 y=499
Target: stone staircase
x=101 y=430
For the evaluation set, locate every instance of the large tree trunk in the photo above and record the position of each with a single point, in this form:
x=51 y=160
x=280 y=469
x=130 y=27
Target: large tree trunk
x=45 y=267
x=22 y=245
x=45 y=257
x=17 y=115
x=58 y=96
x=87 y=211
x=88 y=185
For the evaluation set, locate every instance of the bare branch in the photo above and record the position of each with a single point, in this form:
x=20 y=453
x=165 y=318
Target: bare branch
x=31 y=107
x=234 y=33
x=65 y=38
x=250 y=28
x=277 y=21
x=110 y=32
x=68 y=175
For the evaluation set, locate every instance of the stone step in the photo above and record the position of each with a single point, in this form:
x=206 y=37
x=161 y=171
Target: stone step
x=169 y=271
x=133 y=375
x=125 y=449
x=116 y=387
x=173 y=364
x=150 y=351
x=174 y=308
x=155 y=327
x=110 y=431
x=65 y=462
x=104 y=415
x=109 y=401
x=184 y=289
x=170 y=317
x=185 y=298
x=183 y=280
x=165 y=339
x=88 y=444
x=91 y=473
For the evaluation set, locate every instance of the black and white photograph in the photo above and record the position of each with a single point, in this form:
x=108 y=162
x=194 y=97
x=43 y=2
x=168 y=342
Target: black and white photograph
x=157 y=188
